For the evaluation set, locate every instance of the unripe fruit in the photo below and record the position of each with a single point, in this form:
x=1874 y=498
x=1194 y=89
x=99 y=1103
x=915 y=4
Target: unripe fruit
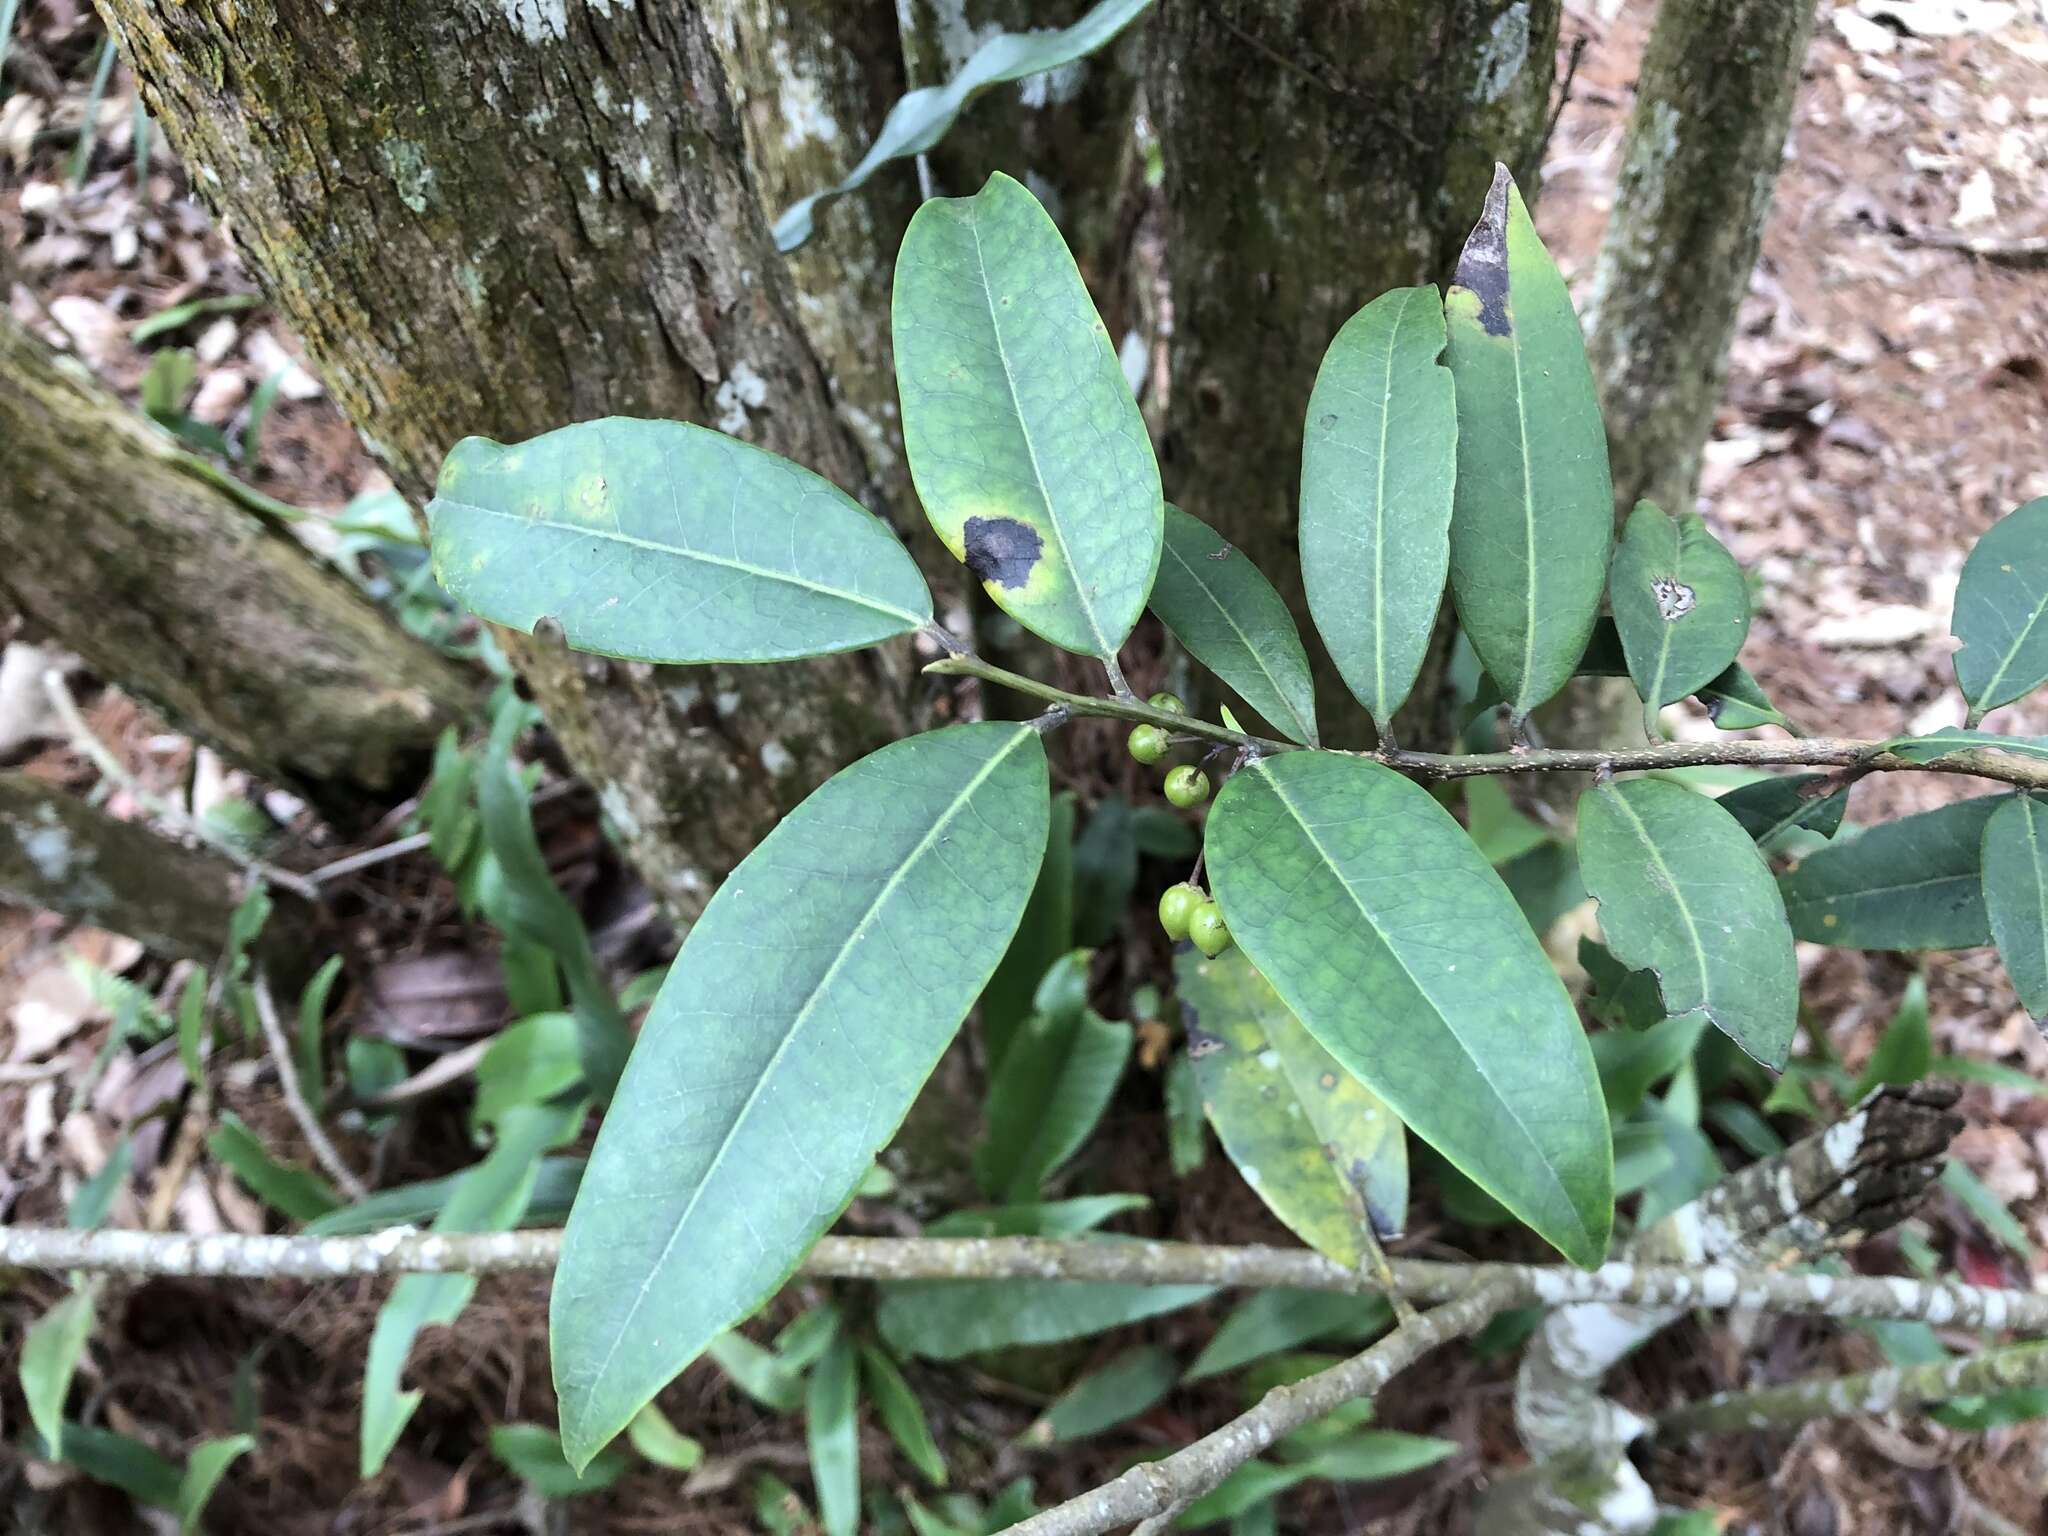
x=1177 y=906
x=1148 y=743
x=1207 y=928
x=1170 y=702
x=1187 y=786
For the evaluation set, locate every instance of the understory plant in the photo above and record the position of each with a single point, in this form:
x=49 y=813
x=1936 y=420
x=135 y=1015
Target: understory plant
x=1361 y=964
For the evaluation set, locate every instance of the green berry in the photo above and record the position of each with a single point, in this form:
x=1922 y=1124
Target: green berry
x=1187 y=786
x=1170 y=702
x=1149 y=743
x=1207 y=928
x=1177 y=906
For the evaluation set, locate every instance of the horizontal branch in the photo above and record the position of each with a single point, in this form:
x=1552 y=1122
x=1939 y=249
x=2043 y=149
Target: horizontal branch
x=406 y=1250
x=2023 y=771
x=1795 y=1403
x=1162 y=1488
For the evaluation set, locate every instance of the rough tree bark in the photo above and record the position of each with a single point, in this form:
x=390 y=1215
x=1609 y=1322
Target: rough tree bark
x=498 y=216
x=1318 y=153
x=111 y=543
x=58 y=853
x=1699 y=165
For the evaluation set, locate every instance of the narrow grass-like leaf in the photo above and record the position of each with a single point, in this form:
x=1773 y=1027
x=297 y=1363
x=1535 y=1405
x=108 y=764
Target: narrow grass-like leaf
x=1684 y=892
x=922 y=118
x=1397 y=946
x=1318 y=1146
x=292 y=1191
x=50 y=1352
x=1378 y=461
x=662 y=541
x=1772 y=808
x=1280 y=1319
x=1024 y=442
x=1045 y=933
x=1534 y=508
x=312 y=1020
x=896 y=1405
x=2016 y=895
x=947 y=1319
x=204 y=1468
x=1112 y=1394
x=1046 y=1098
x=1680 y=605
x=1048 y=1218
x=832 y=1430
x=1219 y=605
x=414 y=1205
x=659 y=1441
x=533 y=1454
x=761 y=1373
x=2001 y=614
x=1914 y=883
x=810 y=1002
x=1904 y=1053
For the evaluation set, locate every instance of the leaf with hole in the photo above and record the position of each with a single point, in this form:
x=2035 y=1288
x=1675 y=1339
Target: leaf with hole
x=1024 y=442
x=808 y=1005
x=1317 y=1146
x=1680 y=604
x=2016 y=895
x=1685 y=893
x=1534 y=508
x=663 y=541
x=2001 y=613
x=1914 y=883
x=1347 y=884
x=1219 y=605
x=1378 y=462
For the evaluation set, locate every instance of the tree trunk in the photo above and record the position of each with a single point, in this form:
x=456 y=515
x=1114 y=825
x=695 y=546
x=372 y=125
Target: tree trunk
x=1699 y=165
x=58 y=853
x=1318 y=153
x=501 y=217
x=113 y=543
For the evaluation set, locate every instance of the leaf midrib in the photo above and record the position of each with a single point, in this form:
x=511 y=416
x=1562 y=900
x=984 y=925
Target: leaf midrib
x=2006 y=660
x=797 y=1021
x=1308 y=732
x=1692 y=929
x=1557 y=1184
x=634 y=541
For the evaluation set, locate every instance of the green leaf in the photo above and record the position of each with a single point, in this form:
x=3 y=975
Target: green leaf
x=662 y=541
x=657 y=1440
x=1914 y=883
x=1253 y=1484
x=1905 y=1051
x=807 y=1336
x=2001 y=598
x=487 y=1198
x=1050 y=1218
x=178 y=316
x=1231 y=620
x=1319 y=1148
x=1680 y=605
x=901 y=1414
x=1534 y=508
x=312 y=1016
x=1046 y=1099
x=50 y=1351
x=808 y=1005
x=922 y=118
x=1959 y=1180
x=832 y=1430
x=1735 y=701
x=1045 y=933
x=1684 y=892
x=411 y=1205
x=533 y=1454
x=1745 y=1127
x=1773 y=807
x=1105 y=871
x=94 y=1197
x=528 y=1063
x=946 y=1319
x=1378 y=461
x=1469 y=1037
x=1952 y=740
x=1281 y=1319
x=2016 y=895
x=762 y=1374
x=1378 y=1454
x=1632 y=1062
x=1113 y=1394
x=192 y=1025
x=122 y=1462
x=204 y=1468
x=288 y=1189
x=1963 y=1069
x=1024 y=442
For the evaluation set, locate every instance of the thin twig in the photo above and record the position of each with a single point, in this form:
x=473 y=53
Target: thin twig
x=87 y=741
x=370 y=857
x=288 y=1077
x=1798 y=1402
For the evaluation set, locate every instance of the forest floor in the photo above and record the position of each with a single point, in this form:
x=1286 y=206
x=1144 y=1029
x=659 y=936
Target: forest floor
x=1887 y=400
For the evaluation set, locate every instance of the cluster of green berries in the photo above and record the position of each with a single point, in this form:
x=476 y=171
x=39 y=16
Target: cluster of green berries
x=1186 y=786
x=1186 y=912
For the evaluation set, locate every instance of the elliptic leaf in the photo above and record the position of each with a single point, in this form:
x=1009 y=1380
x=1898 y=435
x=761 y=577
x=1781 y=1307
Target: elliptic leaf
x=946 y=1319
x=207 y=1465
x=921 y=119
x=832 y=1428
x=1914 y=883
x=1317 y=1145
x=1231 y=620
x=810 y=1002
x=662 y=541
x=1024 y=442
x=1534 y=510
x=50 y=1351
x=1397 y=946
x=896 y=1405
x=533 y=1454
x=1680 y=604
x=2016 y=895
x=1283 y=1319
x=659 y=1441
x=1684 y=892
x=1379 y=457
x=1111 y=1395
x=2001 y=601
x=1770 y=808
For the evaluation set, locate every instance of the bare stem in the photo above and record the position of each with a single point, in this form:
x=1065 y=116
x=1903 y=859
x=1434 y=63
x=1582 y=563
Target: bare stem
x=288 y=1076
